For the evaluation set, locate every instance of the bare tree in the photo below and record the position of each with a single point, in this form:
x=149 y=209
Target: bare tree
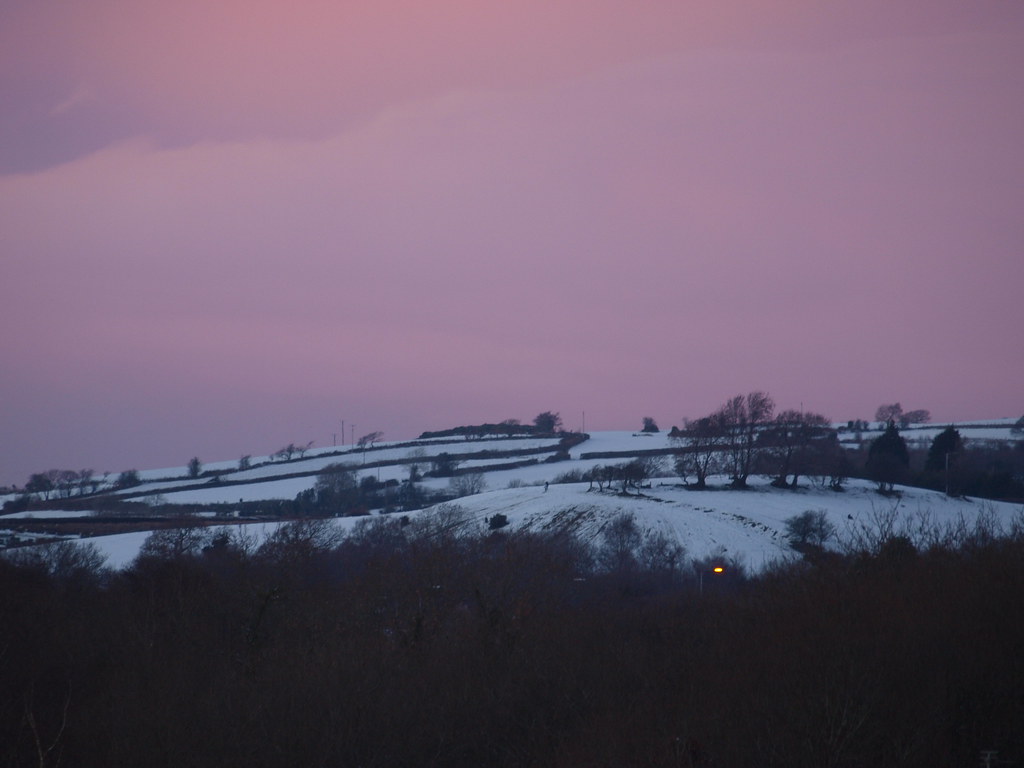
x=40 y=483
x=59 y=482
x=887 y=413
x=413 y=460
x=286 y=453
x=445 y=522
x=64 y=560
x=367 y=440
x=700 y=445
x=743 y=418
x=336 y=487
x=791 y=442
x=300 y=541
x=634 y=473
x=920 y=416
x=172 y=543
x=469 y=484
x=87 y=482
x=510 y=426
x=620 y=540
x=594 y=475
x=809 y=529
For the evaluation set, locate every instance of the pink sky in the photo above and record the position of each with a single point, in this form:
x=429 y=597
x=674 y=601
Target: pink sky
x=225 y=230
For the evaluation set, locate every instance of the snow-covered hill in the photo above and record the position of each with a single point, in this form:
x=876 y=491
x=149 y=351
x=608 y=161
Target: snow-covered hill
x=745 y=527
x=741 y=526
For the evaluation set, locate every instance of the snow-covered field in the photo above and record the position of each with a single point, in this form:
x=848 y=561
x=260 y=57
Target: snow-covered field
x=744 y=526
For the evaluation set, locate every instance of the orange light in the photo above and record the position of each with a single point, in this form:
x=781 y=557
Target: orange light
x=718 y=569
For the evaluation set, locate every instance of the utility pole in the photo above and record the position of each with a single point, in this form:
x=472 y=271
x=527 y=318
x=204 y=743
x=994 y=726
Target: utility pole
x=948 y=454
x=947 y=473
x=342 y=431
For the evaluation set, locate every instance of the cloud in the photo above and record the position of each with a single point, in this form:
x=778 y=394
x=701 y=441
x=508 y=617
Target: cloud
x=186 y=72
x=80 y=96
x=753 y=173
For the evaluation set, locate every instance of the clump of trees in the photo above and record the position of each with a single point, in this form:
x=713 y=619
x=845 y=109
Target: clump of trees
x=335 y=492
x=949 y=464
x=953 y=466
x=809 y=531
x=629 y=475
x=624 y=549
x=894 y=413
x=291 y=451
x=444 y=464
x=62 y=483
x=506 y=428
x=128 y=479
x=547 y=423
x=340 y=491
x=745 y=436
x=799 y=443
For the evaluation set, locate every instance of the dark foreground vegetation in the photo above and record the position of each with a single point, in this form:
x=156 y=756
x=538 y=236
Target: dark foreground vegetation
x=408 y=645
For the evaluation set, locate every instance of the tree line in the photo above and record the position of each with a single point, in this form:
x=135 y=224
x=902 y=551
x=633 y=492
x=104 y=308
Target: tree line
x=747 y=436
x=426 y=643
x=544 y=423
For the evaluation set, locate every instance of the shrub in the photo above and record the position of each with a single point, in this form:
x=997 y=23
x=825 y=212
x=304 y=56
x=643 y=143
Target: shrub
x=469 y=484
x=809 y=529
x=128 y=479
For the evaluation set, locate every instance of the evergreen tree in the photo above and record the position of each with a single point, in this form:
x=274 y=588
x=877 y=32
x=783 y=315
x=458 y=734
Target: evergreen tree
x=888 y=459
x=946 y=442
